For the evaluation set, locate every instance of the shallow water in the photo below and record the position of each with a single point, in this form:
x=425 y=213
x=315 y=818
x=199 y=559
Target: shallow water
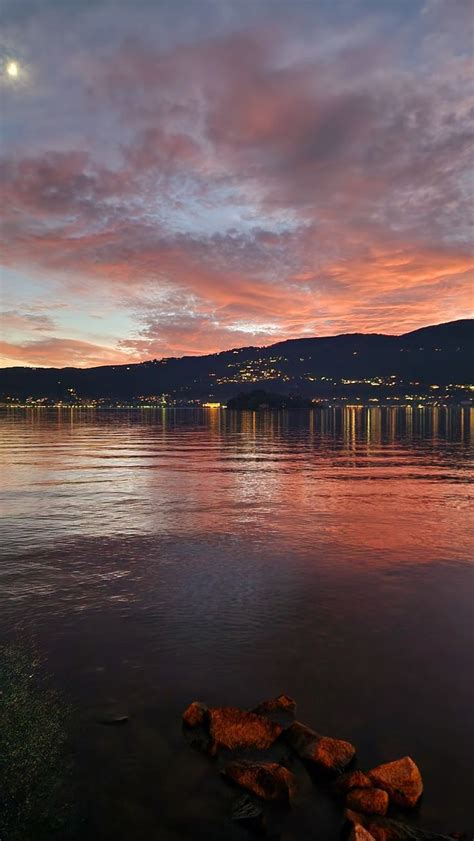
x=162 y=556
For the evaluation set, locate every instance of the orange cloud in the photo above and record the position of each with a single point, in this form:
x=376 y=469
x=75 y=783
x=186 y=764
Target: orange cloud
x=61 y=353
x=257 y=186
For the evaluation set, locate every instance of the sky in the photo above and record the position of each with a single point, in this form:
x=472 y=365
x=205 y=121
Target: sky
x=187 y=176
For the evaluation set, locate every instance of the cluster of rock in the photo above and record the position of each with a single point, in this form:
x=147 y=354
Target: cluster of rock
x=367 y=796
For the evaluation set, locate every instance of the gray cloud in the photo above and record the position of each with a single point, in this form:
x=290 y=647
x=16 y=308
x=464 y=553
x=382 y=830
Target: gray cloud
x=271 y=166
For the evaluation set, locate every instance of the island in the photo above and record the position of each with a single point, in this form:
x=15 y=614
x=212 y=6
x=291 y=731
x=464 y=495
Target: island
x=260 y=399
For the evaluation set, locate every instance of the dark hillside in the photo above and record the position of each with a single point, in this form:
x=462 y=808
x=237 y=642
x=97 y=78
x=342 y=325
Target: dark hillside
x=348 y=364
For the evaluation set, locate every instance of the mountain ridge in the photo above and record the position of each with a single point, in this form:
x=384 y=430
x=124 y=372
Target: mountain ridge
x=429 y=356
x=431 y=327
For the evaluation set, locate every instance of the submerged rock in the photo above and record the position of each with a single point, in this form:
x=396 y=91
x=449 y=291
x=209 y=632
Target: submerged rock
x=232 y=728
x=328 y=754
x=249 y=814
x=370 y=801
x=401 y=779
x=114 y=720
x=267 y=780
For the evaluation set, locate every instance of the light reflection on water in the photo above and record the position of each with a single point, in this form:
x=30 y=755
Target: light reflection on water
x=173 y=554
x=189 y=472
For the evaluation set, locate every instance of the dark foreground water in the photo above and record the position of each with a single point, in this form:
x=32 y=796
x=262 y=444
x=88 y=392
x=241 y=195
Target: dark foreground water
x=158 y=557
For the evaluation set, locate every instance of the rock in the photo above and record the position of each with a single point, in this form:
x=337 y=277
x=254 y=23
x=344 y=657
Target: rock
x=114 y=720
x=353 y=779
x=333 y=754
x=281 y=702
x=370 y=801
x=195 y=715
x=233 y=728
x=249 y=814
x=227 y=727
x=328 y=754
x=265 y=779
x=358 y=833
x=196 y=726
x=379 y=833
x=354 y=818
x=281 y=710
x=385 y=829
x=401 y=780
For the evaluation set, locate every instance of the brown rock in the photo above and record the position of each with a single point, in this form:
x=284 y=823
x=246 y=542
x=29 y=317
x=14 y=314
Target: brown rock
x=233 y=728
x=358 y=833
x=353 y=779
x=267 y=780
x=379 y=833
x=370 y=801
x=326 y=753
x=354 y=817
x=400 y=779
x=281 y=710
x=281 y=703
x=195 y=714
x=333 y=754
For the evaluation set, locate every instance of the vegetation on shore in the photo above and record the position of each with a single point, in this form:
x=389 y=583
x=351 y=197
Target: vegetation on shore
x=33 y=750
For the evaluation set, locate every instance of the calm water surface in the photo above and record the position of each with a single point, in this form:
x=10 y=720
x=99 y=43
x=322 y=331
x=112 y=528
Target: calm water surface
x=162 y=556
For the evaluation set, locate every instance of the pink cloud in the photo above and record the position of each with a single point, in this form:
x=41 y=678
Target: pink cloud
x=59 y=353
x=254 y=192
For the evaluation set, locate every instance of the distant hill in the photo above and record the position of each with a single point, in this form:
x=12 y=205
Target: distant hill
x=344 y=365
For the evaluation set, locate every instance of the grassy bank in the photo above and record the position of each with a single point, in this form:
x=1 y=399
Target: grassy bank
x=34 y=768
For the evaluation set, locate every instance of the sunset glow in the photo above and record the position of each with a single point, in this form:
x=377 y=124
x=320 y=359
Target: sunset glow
x=202 y=176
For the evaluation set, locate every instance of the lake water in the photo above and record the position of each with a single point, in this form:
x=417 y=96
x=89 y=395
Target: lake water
x=161 y=556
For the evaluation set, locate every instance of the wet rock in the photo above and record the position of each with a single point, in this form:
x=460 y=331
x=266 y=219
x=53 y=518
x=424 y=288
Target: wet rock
x=333 y=754
x=386 y=829
x=196 y=726
x=195 y=715
x=370 y=801
x=354 y=818
x=281 y=702
x=353 y=779
x=280 y=709
x=248 y=814
x=267 y=780
x=327 y=754
x=358 y=833
x=401 y=780
x=232 y=728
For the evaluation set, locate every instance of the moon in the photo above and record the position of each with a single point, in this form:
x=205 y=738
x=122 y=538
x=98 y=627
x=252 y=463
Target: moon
x=13 y=69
